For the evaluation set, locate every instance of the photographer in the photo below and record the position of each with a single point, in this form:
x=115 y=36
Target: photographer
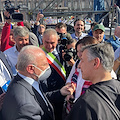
x=61 y=29
x=7 y=40
x=69 y=55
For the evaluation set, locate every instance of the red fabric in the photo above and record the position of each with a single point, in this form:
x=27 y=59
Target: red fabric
x=74 y=78
x=20 y=24
x=59 y=72
x=5 y=36
x=86 y=85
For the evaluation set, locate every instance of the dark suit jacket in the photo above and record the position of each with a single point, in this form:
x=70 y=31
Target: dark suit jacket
x=51 y=87
x=23 y=102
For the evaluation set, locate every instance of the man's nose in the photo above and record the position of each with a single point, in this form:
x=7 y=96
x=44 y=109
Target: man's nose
x=25 y=42
x=50 y=45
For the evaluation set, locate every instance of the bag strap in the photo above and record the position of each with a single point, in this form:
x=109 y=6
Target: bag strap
x=108 y=100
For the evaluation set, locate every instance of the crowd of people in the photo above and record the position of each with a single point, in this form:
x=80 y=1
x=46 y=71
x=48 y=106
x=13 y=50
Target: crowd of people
x=50 y=74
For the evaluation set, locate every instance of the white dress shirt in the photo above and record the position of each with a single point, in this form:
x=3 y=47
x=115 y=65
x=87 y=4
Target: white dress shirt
x=11 y=55
x=75 y=37
x=35 y=84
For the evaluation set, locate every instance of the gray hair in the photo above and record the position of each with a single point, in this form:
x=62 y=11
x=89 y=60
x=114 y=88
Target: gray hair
x=33 y=40
x=27 y=56
x=49 y=32
x=104 y=51
x=20 y=31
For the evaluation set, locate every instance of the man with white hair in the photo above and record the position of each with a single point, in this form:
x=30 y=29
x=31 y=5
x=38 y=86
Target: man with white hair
x=24 y=99
x=58 y=77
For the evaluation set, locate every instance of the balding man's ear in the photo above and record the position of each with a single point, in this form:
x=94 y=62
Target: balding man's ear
x=30 y=69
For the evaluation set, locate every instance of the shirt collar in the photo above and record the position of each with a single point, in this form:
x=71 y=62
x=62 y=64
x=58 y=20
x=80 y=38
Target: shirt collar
x=55 y=51
x=77 y=37
x=15 y=49
x=33 y=83
x=28 y=79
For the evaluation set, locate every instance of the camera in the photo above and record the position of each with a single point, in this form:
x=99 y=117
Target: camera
x=69 y=53
x=15 y=16
x=63 y=39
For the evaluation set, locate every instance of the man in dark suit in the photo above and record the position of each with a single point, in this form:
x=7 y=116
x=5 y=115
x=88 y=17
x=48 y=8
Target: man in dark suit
x=24 y=99
x=58 y=77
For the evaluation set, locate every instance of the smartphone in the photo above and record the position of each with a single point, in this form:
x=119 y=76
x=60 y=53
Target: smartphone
x=41 y=11
x=5 y=86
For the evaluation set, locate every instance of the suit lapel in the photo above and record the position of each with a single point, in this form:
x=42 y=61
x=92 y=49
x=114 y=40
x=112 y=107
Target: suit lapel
x=49 y=104
x=41 y=102
x=48 y=109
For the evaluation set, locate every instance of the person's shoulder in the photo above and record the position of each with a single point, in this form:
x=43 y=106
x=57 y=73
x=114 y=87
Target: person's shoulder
x=114 y=84
x=9 y=51
x=113 y=38
x=18 y=85
x=117 y=50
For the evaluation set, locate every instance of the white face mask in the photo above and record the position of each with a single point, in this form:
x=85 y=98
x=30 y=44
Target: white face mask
x=44 y=74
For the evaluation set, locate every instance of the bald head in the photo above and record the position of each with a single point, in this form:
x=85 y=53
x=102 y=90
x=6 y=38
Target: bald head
x=30 y=55
x=49 y=32
x=117 y=31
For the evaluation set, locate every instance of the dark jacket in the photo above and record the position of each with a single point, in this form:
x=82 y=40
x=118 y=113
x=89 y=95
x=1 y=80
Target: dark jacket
x=23 y=102
x=91 y=106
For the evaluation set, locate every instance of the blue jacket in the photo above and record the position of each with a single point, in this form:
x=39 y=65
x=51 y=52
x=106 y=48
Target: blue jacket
x=115 y=42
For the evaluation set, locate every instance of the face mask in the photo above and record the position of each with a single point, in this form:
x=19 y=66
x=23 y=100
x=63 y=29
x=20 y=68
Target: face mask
x=44 y=74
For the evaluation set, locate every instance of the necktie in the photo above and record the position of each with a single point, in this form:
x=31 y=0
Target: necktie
x=48 y=103
x=55 y=54
x=49 y=106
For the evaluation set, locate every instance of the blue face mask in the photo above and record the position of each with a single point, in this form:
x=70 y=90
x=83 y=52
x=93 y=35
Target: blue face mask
x=44 y=74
